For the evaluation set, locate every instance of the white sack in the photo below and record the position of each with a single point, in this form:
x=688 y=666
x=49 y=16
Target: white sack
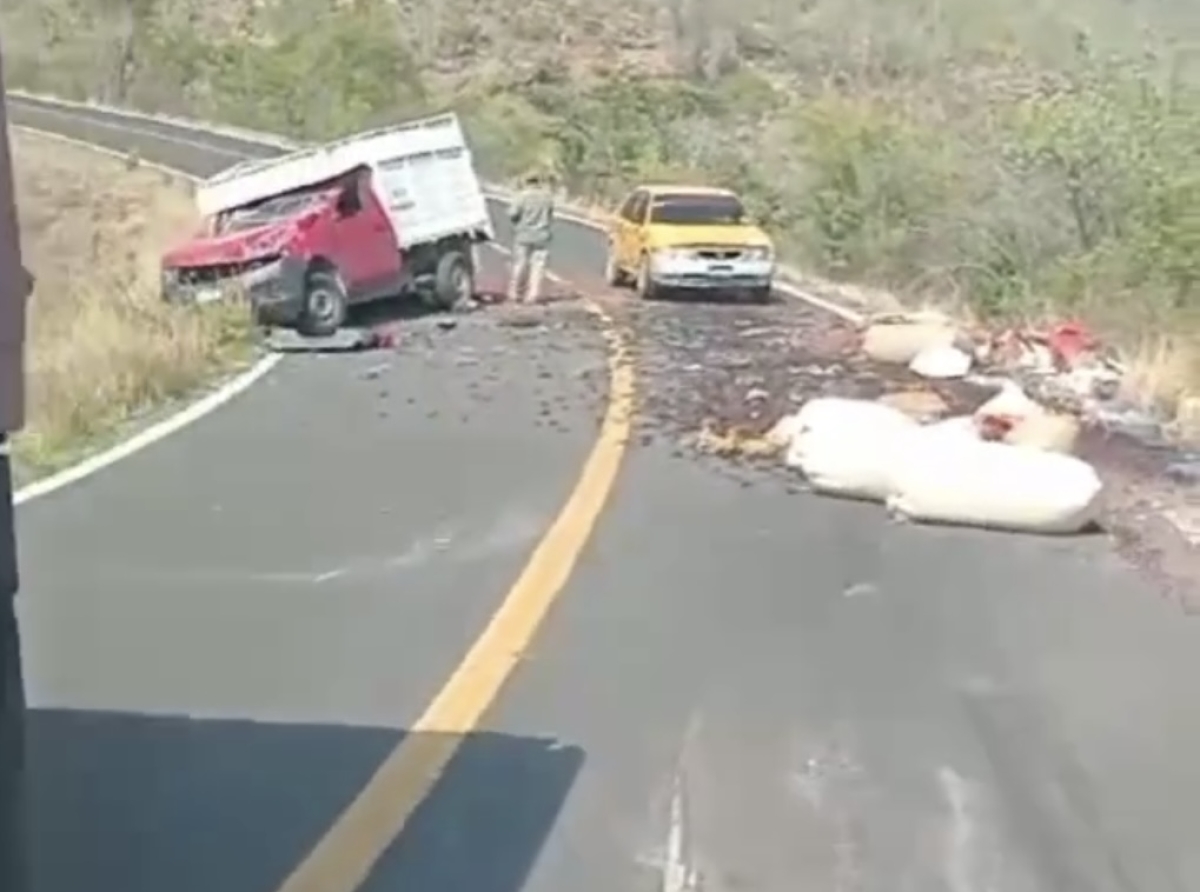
x=785 y=430
x=1047 y=431
x=941 y=361
x=960 y=429
x=841 y=418
x=900 y=342
x=1010 y=402
x=950 y=479
x=846 y=447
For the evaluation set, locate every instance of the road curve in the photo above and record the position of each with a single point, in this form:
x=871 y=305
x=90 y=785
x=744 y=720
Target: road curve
x=227 y=633
x=741 y=690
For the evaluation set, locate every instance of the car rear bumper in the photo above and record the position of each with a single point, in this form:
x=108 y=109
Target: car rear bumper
x=275 y=291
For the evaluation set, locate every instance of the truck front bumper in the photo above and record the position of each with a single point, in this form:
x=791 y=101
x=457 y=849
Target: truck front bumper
x=274 y=290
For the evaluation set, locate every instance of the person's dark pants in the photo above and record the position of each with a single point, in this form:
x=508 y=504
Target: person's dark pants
x=12 y=702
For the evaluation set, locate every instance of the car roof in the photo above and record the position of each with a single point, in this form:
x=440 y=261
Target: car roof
x=657 y=190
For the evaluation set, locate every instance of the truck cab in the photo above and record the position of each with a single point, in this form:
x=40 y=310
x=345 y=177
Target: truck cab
x=306 y=236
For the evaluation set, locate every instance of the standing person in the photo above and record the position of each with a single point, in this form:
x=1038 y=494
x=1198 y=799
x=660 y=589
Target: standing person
x=15 y=286
x=532 y=216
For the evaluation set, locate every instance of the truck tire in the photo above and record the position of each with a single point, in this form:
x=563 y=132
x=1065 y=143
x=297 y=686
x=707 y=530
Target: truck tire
x=454 y=280
x=325 y=305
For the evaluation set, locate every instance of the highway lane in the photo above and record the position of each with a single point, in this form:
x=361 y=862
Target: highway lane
x=227 y=633
x=774 y=692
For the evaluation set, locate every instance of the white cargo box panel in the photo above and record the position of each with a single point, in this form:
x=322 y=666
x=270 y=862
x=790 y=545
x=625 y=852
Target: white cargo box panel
x=422 y=171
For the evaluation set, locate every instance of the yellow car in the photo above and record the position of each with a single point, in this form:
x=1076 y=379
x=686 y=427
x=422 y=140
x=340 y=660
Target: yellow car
x=689 y=239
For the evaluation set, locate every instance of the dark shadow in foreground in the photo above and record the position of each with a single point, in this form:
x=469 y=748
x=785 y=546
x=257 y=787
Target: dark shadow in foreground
x=145 y=804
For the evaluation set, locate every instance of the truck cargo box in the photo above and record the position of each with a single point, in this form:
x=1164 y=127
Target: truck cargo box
x=423 y=174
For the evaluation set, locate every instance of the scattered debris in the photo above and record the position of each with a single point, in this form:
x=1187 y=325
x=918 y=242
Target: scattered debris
x=346 y=340
x=860 y=589
x=920 y=405
x=521 y=319
x=1185 y=471
x=735 y=441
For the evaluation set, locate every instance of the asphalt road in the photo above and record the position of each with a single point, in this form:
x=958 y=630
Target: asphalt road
x=741 y=688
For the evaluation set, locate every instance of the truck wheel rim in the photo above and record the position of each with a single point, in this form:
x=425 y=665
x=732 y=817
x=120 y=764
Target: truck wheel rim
x=322 y=304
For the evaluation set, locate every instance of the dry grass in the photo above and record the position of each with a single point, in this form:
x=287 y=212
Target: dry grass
x=1163 y=374
x=103 y=348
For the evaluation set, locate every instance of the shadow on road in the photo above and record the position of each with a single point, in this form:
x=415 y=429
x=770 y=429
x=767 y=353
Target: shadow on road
x=145 y=804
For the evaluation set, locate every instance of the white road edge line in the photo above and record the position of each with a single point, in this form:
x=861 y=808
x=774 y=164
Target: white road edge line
x=161 y=429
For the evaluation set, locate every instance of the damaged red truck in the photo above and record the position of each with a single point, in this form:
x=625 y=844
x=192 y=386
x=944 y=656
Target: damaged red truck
x=304 y=236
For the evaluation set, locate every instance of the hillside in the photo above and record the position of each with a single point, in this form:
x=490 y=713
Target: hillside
x=103 y=347
x=1016 y=158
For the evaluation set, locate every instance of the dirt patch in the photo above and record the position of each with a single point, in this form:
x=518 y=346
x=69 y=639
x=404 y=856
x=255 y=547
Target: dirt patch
x=103 y=347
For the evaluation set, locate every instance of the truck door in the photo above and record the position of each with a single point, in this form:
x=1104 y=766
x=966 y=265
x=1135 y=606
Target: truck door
x=369 y=257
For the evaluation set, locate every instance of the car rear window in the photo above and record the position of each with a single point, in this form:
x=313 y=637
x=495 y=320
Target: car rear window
x=692 y=210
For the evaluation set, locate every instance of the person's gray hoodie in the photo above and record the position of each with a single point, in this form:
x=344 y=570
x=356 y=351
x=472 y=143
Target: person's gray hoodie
x=532 y=215
x=15 y=287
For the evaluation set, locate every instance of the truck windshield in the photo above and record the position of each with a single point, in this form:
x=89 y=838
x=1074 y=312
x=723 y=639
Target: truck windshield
x=269 y=210
x=697 y=210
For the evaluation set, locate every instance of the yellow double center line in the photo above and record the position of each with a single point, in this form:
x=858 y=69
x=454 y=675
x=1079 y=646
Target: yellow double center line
x=342 y=860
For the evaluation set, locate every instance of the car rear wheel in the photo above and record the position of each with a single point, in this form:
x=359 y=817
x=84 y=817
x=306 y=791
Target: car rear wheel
x=454 y=280
x=325 y=305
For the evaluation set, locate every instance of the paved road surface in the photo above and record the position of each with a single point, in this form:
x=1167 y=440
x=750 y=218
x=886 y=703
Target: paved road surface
x=740 y=690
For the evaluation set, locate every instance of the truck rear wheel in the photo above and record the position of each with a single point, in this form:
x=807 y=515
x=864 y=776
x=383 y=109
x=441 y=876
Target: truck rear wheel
x=324 y=305
x=454 y=280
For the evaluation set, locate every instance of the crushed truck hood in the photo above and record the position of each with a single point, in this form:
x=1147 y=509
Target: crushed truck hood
x=242 y=246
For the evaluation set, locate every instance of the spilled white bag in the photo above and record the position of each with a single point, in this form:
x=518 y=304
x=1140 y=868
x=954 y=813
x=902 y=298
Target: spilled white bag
x=845 y=447
x=941 y=361
x=958 y=480
x=899 y=339
x=1010 y=402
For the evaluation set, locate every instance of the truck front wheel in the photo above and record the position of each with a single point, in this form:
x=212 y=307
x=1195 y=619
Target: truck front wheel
x=454 y=280
x=324 y=305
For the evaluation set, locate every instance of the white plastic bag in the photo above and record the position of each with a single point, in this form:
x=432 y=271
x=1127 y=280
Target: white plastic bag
x=941 y=361
x=952 y=479
x=845 y=447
